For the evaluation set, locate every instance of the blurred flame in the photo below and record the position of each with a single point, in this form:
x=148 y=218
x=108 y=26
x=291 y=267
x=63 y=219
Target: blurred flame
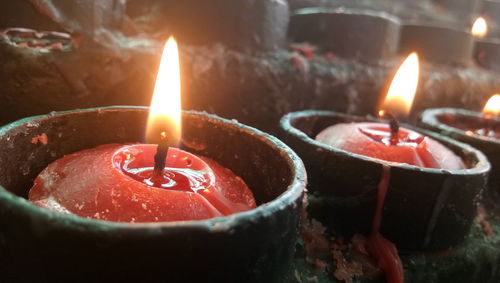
x=492 y=107
x=480 y=27
x=401 y=94
x=165 y=112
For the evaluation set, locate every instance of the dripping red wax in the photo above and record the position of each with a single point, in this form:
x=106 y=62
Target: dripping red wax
x=394 y=144
x=373 y=140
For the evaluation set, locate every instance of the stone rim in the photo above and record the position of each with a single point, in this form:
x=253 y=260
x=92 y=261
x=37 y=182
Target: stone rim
x=480 y=167
x=430 y=118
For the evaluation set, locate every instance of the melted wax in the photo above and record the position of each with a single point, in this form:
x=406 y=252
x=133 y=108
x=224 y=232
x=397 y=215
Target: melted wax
x=383 y=250
x=117 y=183
x=374 y=140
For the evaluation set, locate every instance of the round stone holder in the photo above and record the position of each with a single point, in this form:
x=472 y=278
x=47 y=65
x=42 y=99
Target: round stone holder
x=83 y=17
x=465 y=9
x=255 y=245
x=368 y=36
x=491 y=12
x=487 y=53
x=452 y=122
x=437 y=44
x=425 y=209
x=243 y=24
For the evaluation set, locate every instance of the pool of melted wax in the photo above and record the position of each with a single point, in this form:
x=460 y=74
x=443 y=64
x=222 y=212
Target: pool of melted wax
x=382 y=135
x=176 y=179
x=472 y=125
x=184 y=172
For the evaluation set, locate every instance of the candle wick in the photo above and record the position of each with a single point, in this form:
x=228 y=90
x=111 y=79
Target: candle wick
x=393 y=125
x=161 y=155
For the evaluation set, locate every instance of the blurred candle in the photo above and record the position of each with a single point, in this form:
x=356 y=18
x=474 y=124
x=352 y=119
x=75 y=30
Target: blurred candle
x=479 y=28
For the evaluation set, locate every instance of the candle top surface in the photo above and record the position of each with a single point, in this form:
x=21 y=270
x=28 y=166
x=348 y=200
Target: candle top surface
x=115 y=183
x=479 y=125
x=373 y=140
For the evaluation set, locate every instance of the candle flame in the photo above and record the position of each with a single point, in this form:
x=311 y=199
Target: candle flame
x=165 y=113
x=492 y=107
x=403 y=88
x=480 y=27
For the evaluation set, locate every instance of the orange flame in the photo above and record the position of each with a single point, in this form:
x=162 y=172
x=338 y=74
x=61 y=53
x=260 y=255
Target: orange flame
x=165 y=112
x=480 y=27
x=492 y=107
x=403 y=88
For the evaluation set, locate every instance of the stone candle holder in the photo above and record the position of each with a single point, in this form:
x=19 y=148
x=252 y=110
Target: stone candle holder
x=465 y=9
x=255 y=246
x=425 y=209
x=88 y=17
x=487 y=53
x=244 y=24
x=454 y=123
x=357 y=34
x=491 y=13
x=437 y=44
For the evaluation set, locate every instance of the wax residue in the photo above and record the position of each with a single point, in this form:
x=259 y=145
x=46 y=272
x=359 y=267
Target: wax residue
x=384 y=251
x=382 y=135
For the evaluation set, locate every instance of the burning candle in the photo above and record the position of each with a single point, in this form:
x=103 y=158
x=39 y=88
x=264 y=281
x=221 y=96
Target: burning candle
x=492 y=106
x=478 y=129
x=103 y=250
x=473 y=124
x=486 y=127
x=486 y=49
x=390 y=142
x=395 y=144
x=144 y=182
x=479 y=28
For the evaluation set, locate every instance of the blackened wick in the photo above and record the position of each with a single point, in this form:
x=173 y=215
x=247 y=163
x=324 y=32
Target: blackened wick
x=394 y=126
x=161 y=154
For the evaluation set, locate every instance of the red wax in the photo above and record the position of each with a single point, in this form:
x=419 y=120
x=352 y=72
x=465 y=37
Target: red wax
x=373 y=140
x=116 y=183
x=383 y=250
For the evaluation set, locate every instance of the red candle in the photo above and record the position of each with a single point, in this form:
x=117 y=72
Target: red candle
x=374 y=140
x=144 y=182
x=117 y=183
x=486 y=126
x=395 y=144
x=392 y=143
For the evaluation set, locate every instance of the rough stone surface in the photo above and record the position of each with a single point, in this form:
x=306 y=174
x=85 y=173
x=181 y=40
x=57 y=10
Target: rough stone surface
x=476 y=260
x=256 y=89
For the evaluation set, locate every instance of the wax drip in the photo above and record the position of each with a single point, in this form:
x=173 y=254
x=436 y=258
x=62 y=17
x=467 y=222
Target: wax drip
x=161 y=155
x=384 y=251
